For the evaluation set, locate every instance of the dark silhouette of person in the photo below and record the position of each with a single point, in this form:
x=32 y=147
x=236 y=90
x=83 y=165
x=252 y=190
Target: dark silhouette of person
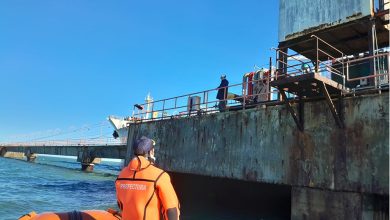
x=222 y=93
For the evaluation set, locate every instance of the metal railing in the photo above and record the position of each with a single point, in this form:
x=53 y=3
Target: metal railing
x=324 y=63
x=380 y=73
x=180 y=106
x=331 y=66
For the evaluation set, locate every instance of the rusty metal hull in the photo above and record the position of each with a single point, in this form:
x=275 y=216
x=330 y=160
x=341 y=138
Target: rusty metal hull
x=264 y=145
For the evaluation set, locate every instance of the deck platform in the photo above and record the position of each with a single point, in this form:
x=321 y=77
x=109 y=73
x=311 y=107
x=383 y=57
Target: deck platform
x=308 y=86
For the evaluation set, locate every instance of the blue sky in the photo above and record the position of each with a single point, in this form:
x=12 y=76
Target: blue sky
x=68 y=64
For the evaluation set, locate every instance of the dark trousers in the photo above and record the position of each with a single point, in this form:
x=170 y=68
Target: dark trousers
x=222 y=105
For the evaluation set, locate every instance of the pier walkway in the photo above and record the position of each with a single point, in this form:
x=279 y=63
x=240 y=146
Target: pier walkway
x=88 y=152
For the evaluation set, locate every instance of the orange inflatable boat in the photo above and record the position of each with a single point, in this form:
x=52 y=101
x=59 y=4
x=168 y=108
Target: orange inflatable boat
x=75 y=215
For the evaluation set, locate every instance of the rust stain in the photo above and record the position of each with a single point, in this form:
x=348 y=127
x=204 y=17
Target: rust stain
x=319 y=27
x=359 y=14
x=382 y=111
x=302 y=168
x=340 y=157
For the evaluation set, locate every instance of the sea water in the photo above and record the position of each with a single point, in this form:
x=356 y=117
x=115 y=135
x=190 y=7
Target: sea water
x=54 y=184
x=58 y=184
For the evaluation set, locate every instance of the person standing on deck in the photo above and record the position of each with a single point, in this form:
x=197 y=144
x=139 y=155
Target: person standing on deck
x=222 y=93
x=144 y=191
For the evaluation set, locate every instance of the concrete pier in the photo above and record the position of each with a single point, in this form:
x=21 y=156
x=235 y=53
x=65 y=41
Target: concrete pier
x=86 y=155
x=334 y=173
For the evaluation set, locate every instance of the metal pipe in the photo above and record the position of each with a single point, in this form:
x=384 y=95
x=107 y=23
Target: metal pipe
x=362 y=59
x=366 y=58
x=368 y=77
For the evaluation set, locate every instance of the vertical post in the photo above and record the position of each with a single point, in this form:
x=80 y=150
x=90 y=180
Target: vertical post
x=189 y=105
x=269 y=79
x=372 y=6
x=347 y=77
x=371 y=50
x=225 y=98
x=152 y=111
x=163 y=109
x=317 y=63
x=243 y=94
x=30 y=155
x=343 y=62
x=282 y=66
x=388 y=68
x=282 y=61
x=3 y=151
x=276 y=63
x=206 y=99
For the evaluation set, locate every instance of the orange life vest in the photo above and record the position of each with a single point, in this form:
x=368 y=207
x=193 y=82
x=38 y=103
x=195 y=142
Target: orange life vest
x=144 y=191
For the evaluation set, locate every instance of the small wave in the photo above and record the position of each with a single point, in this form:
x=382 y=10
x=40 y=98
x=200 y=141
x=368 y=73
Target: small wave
x=73 y=186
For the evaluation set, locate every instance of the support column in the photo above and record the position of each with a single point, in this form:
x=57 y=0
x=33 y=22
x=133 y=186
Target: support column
x=289 y=107
x=282 y=60
x=281 y=64
x=88 y=167
x=30 y=155
x=3 y=151
x=87 y=159
x=371 y=50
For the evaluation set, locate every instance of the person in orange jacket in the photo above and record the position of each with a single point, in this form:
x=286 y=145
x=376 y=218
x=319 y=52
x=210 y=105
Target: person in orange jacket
x=144 y=191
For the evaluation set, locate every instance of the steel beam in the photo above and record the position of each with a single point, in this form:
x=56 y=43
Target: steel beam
x=331 y=105
x=291 y=110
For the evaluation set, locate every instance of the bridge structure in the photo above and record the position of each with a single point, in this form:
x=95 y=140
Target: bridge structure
x=87 y=151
